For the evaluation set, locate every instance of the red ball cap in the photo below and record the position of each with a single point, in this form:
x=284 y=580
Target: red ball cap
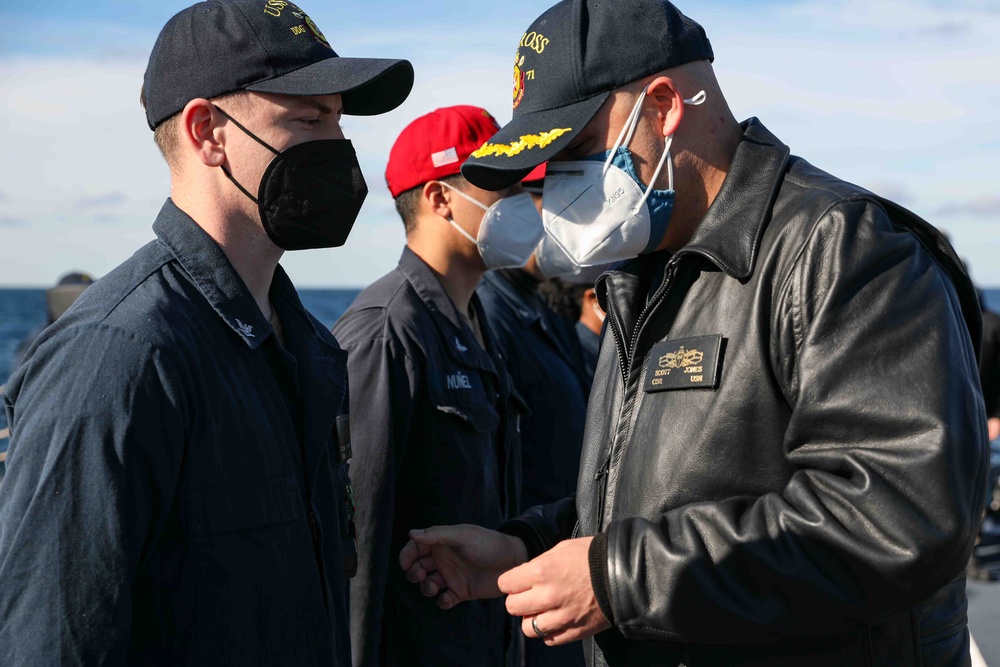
x=435 y=146
x=536 y=176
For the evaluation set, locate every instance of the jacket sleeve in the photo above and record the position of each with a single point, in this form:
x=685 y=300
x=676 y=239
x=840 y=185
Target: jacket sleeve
x=382 y=381
x=886 y=443
x=97 y=440
x=544 y=526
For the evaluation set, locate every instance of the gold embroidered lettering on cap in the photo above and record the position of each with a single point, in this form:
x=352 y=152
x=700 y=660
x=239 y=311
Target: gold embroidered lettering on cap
x=535 y=41
x=274 y=7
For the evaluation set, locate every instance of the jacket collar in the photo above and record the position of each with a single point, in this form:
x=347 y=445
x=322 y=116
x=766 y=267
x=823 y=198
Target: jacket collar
x=729 y=235
x=461 y=343
x=211 y=273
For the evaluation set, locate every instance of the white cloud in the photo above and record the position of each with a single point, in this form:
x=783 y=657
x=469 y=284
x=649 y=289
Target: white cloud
x=987 y=207
x=899 y=96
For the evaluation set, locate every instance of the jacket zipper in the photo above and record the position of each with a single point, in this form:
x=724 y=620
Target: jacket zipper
x=603 y=475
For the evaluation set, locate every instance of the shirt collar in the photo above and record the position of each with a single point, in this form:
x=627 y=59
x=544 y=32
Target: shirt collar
x=286 y=301
x=428 y=287
x=520 y=301
x=519 y=289
x=213 y=275
x=462 y=344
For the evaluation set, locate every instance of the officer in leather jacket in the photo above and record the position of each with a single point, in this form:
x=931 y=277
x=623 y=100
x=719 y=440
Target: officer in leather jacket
x=785 y=452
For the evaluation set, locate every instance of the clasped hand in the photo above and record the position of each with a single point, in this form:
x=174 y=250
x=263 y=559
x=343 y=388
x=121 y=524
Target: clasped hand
x=465 y=562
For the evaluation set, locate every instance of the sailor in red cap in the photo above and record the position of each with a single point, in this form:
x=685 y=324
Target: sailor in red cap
x=434 y=419
x=547 y=365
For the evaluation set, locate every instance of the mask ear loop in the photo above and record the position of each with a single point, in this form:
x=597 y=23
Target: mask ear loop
x=461 y=194
x=454 y=224
x=246 y=131
x=665 y=158
x=630 y=125
x=252 y=136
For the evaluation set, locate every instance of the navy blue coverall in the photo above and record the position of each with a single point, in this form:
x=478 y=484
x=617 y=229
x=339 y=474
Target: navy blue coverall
x=435 y=438
x=547 y=365
x=590 y=345
x=174 y=494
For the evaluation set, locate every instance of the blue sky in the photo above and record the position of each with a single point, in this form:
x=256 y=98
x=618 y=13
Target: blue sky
x=900 y=96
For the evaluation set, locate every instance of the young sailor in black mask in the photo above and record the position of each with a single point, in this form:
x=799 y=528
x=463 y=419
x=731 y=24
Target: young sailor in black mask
x=199 y=513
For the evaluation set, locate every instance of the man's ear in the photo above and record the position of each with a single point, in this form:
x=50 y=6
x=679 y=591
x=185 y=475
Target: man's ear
x=669 y=103
x=436 y=199
x=201 y=132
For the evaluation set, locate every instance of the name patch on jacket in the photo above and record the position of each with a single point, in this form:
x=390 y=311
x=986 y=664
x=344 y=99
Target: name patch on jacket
x=685 y=363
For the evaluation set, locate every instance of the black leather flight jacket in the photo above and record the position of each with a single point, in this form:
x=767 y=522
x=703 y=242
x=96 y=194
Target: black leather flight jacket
x=785 y=456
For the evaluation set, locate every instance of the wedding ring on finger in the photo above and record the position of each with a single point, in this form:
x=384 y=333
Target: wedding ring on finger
x=534 y=626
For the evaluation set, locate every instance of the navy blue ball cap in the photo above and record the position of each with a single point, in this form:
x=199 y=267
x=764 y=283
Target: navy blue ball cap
x=566 y=65
x=219 y=47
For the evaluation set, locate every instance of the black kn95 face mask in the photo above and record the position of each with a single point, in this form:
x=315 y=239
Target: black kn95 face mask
x=310 y=194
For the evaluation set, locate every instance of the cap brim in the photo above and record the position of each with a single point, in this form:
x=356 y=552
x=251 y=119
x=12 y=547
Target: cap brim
x=527 y=141
x=369 y=86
